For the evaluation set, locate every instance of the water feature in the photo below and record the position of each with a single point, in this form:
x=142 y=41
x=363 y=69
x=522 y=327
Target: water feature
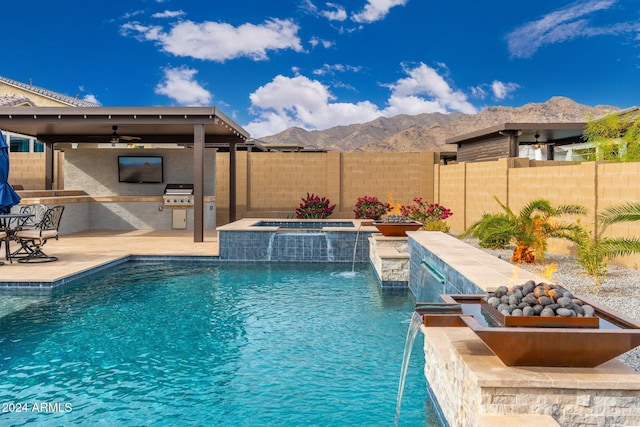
x=272 y=239
x=304 y=246
x=213 y=344
x=355 y=249
x=412 y=332
x=431 y=284
x=305 y=241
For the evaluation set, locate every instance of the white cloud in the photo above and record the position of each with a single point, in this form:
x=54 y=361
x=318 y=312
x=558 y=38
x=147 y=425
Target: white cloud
x=169 y=14
x=562 y=25
x=425 y=81
x=218 y=41
x=336 y=12
x=376 y=10
x=179 y=84
x=478 y=92
x=302 y=102
x=299 y=101
x=502 y=90
x=315 y=41
x=91 y=98
x=335 y=68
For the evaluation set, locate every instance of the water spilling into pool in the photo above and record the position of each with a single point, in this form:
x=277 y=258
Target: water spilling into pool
x=215 y=344
x=412 y=332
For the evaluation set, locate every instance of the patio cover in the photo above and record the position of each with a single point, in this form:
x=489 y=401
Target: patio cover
x=191 y=126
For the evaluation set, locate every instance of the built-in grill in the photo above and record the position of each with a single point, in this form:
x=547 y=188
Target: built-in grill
x=178 y=195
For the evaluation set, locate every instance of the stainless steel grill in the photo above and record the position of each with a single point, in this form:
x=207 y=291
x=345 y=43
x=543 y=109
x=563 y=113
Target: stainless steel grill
x=178 y=195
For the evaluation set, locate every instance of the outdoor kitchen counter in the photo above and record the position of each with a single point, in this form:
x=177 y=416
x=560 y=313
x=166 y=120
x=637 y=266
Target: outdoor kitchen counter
x=116 y=212
x=64 y=199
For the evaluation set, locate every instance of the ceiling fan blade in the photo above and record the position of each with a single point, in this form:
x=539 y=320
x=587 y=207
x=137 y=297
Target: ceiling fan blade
x=129 y=138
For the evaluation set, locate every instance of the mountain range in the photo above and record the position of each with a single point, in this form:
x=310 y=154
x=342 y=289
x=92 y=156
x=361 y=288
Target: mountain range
x=427 y=132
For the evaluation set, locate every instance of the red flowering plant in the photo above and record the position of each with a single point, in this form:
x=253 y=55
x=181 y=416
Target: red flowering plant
x=369 y=207
x=431 y=215
x=314 y=207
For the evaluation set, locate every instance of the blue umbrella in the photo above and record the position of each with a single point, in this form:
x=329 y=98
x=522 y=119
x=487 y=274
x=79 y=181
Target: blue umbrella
x=8 y=196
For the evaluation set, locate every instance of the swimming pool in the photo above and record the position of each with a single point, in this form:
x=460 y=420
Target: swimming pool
x=212 y=344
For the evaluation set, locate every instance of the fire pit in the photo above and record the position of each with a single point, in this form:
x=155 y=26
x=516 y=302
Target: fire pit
x=396 y=225
x=571 y=342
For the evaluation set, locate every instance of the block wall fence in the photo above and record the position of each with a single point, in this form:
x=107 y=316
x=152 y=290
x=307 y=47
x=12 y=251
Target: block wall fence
x=270 y=185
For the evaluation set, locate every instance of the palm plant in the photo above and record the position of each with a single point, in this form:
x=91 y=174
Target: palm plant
x=594 y=251
x=529 y=229
x=619 y=246
x=492 y=231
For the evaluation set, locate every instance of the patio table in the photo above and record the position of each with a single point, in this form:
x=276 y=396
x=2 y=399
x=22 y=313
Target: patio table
x=10 y=223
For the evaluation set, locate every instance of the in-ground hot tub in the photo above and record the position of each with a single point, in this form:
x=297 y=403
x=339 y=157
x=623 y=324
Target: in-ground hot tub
x=295 y=240
x=304 y=225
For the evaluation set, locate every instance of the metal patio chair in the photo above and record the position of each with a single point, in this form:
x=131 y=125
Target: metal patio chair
x=37 y=210
x=32 y=240
x=4 y=238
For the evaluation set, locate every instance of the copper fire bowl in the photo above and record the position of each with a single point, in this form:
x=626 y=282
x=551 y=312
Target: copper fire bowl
x=574 y=346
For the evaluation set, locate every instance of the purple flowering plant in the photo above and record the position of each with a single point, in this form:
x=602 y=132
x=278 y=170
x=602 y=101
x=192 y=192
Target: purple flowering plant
x=314 y=207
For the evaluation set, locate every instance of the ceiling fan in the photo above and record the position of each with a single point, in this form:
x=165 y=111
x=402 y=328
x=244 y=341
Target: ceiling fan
x=115 y=138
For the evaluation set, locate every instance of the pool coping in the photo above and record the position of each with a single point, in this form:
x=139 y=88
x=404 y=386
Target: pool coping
x=45 y=285
x=249 y=224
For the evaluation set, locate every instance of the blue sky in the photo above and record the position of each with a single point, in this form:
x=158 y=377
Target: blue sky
x=271 y=65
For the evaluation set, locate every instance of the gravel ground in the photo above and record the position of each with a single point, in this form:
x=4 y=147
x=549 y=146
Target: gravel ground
x=620 y=290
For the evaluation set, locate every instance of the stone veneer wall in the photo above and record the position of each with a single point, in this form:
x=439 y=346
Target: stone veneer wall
x=469 y=381
x=389 y=257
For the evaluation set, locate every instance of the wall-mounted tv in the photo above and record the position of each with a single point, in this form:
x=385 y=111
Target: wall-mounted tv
x=140 y=169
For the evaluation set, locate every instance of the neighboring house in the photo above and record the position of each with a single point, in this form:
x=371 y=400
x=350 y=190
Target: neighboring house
x=537 y=141
x=17 y=94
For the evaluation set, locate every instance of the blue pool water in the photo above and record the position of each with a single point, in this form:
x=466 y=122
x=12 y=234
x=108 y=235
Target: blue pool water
x=213 y=344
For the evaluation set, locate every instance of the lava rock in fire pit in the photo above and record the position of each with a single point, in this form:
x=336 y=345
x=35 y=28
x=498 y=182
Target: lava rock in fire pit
x=396 y=218
x=542 y=299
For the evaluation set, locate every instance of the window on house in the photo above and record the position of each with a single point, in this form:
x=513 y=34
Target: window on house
x=18 y=144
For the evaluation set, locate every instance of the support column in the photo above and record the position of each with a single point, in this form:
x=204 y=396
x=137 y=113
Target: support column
x=198 y=183
x=48 y=165
x=232 y=181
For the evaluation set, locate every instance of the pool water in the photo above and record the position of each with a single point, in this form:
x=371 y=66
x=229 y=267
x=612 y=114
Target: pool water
x=213 y=344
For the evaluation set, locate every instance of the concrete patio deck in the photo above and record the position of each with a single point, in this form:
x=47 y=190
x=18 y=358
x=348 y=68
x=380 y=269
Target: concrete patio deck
x=82 y=251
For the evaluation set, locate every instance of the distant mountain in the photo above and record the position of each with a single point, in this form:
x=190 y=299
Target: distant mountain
x=427 y=132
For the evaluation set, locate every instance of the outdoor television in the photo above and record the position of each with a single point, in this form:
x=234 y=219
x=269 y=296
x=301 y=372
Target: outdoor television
x=140 y=169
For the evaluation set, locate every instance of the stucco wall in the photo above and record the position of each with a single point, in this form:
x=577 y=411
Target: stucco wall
x=96 y=171
x=34 y=97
